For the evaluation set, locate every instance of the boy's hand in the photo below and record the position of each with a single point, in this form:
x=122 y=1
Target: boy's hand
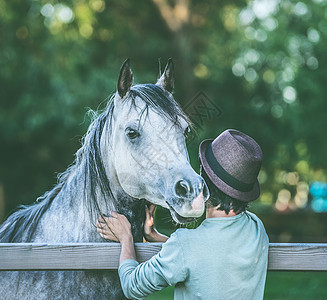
x=150 y=232
x=116 y=228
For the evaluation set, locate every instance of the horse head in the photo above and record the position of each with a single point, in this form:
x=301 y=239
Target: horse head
x=150 y=159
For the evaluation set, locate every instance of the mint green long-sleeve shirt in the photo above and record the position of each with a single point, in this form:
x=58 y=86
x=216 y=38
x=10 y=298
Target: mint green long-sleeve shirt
x=224 y=258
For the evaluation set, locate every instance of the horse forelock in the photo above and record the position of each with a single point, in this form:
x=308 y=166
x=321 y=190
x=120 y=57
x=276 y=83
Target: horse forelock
x=159 y=100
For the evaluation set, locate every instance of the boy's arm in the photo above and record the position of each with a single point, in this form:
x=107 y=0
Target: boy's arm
x=140 y=280
x=117 y=228
x=164 y=269
x=127 y=249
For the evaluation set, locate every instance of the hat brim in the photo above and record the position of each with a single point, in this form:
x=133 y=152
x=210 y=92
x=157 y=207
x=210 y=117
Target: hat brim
x=220 y=184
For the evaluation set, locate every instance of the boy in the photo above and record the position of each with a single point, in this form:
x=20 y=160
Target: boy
x=226 y=256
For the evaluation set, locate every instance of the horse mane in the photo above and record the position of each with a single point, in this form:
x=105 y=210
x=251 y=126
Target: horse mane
x=22 y=224
x=27 y=217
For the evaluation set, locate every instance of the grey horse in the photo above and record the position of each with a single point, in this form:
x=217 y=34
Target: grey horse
x=134 y=151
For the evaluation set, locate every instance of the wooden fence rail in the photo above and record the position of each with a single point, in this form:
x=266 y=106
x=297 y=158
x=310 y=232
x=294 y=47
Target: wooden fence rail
x=100 y=256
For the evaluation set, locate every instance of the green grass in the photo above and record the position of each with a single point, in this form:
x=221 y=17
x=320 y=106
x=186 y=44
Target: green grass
x=280 y=286
x=296 y=285
x=166 y=294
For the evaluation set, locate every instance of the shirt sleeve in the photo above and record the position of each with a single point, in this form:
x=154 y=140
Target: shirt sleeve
x=164 y=269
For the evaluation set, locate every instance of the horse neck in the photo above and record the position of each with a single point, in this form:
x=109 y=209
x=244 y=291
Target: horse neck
x=66 y=220
x=70 y=217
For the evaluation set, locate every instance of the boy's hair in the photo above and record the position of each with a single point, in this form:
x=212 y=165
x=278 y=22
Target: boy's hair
x=220 y=199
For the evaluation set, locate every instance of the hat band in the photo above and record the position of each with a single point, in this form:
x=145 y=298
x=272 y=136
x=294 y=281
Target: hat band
x=223 y=175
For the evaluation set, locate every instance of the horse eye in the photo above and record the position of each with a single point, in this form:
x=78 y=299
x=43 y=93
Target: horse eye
x=187 y=131
x=132 y=133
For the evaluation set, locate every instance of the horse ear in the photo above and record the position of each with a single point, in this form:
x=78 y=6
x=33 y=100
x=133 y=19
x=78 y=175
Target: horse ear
x=166 y=80
x=125 y=79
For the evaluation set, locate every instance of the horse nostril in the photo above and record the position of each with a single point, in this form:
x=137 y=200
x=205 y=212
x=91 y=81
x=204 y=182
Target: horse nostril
x=182 y=188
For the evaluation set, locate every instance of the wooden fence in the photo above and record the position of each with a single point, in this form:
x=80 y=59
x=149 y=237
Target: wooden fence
x=100 y=256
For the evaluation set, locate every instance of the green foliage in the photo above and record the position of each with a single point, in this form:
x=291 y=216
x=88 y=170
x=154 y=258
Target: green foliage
x=264 y=67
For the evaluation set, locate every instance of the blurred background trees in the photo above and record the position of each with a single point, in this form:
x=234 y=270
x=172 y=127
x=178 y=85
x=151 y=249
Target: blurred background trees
x=261 y=63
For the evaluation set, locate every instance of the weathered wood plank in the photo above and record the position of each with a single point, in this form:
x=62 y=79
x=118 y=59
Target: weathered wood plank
x=100 y=256
x=77 y=256
x=297 y=257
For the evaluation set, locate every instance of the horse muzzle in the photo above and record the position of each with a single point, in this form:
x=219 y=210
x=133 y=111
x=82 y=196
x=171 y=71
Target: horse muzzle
x=189 y=200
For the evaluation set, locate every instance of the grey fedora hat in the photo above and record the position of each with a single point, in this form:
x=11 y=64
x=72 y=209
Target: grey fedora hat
x=232 y=161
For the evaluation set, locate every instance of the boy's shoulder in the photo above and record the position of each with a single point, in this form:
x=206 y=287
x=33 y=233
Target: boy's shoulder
x=253 y=216
x=259 y=223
